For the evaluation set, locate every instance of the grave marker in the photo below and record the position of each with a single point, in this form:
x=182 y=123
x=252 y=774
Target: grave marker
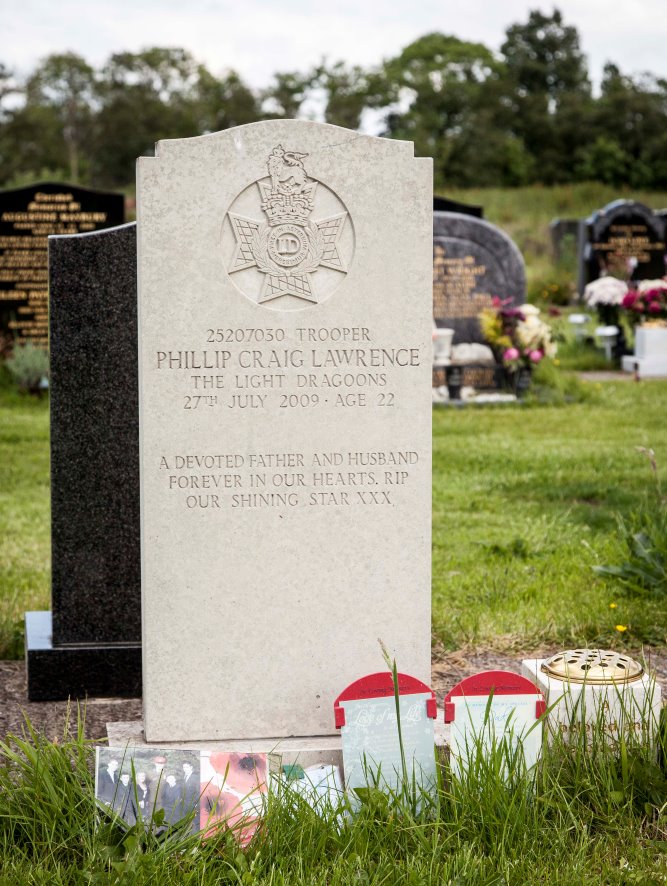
x=473 y=261
x=27 y=217
x=285 y=354
x=623 y=239
x=365 y=713
x=89 y=644
x=490 y=708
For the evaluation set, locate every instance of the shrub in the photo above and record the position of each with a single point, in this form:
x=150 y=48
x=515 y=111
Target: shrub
x=29 y=365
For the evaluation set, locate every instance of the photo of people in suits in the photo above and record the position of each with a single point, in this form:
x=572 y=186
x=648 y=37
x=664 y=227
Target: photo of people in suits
x=136 y=782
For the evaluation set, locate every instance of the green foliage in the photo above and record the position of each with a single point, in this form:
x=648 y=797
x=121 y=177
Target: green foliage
x=28 y=365
x=643 y=537
x=524 y=115
x=590 y=812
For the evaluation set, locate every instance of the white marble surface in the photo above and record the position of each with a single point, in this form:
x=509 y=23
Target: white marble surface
x=286 y=512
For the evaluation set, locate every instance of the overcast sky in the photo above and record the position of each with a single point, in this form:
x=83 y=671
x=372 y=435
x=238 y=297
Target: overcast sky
x=259 y=37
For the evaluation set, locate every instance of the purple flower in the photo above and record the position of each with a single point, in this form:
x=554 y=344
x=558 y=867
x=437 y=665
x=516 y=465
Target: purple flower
x=535 y=356
x=511 y=354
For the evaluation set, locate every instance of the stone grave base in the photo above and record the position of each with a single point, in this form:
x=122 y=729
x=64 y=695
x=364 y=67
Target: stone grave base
x=646 y=367
x=308 y=751
x=59 y=672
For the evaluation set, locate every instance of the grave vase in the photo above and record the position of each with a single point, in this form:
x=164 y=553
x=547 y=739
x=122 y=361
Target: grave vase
x=521 y=379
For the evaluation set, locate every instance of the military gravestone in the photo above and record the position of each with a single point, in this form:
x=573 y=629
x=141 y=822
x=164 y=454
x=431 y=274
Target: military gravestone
x=90 y=641
x=27 y=217
x=285 y=356
x=623 y=239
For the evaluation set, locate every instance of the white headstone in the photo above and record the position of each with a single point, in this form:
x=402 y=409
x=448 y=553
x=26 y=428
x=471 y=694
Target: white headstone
x=285 y=411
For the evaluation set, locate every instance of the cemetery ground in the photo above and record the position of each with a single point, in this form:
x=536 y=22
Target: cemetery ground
x=525 y=504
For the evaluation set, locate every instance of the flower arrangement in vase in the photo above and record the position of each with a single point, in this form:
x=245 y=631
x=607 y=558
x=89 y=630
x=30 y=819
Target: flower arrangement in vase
x=647 y=304
x=519 y=339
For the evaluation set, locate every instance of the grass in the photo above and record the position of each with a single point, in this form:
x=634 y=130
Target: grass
x=581 y=817
x=524 y=506
x=24 y=514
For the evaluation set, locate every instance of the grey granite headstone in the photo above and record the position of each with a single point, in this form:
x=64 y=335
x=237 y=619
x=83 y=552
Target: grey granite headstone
x=473 y=261
x=624 y=239
x=90 y=643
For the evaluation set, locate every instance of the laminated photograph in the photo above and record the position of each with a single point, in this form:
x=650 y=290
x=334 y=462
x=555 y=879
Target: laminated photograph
x=209 y=790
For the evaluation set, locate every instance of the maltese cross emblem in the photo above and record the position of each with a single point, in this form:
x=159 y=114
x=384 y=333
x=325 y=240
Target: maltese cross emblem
x=287 y=246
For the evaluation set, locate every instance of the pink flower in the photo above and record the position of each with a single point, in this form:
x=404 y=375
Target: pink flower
x=629 y=299
x=655 y=307
x=511 y=354
x=536 y=356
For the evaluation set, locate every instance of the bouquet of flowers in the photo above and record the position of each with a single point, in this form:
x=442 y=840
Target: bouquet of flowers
x=605 y=291
x=647 y=303
x=517 y=336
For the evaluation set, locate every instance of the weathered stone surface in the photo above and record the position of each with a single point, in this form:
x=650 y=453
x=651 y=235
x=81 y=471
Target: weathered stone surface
x=285 y=356
x=473 y=261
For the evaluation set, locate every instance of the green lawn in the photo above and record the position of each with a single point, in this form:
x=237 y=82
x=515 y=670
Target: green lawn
x=24 y=515
x=524 y=505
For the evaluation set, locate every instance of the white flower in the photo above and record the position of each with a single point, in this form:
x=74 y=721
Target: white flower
x=605 y=291
x=645 y=285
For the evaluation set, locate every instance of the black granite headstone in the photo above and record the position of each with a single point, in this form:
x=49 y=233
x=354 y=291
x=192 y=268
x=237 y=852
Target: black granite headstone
x=443 y=204
x=27 y=217
x=473 y=261
x=90 y=643
x=625 y=239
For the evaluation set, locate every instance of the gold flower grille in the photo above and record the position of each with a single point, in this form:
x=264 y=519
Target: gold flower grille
x=593 y=666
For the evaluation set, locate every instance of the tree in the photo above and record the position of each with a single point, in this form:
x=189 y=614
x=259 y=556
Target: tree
x=545 y=59
x=347 y=92
x=144 y=97
x=547 y=80
x=284 y=97
x=224 y=102
x=65 y=85
x=435 y=92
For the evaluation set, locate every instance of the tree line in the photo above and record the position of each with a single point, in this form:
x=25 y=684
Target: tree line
x=524 y=115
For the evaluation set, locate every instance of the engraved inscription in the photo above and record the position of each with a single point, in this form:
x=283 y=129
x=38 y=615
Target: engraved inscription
x=311 y=367
x=629 y=242
x=455 y=284
x=27 y=217
x=290 y=257
x=287 y=480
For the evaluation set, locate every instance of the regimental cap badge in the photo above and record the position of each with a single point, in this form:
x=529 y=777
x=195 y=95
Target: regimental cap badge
x=288 y=247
